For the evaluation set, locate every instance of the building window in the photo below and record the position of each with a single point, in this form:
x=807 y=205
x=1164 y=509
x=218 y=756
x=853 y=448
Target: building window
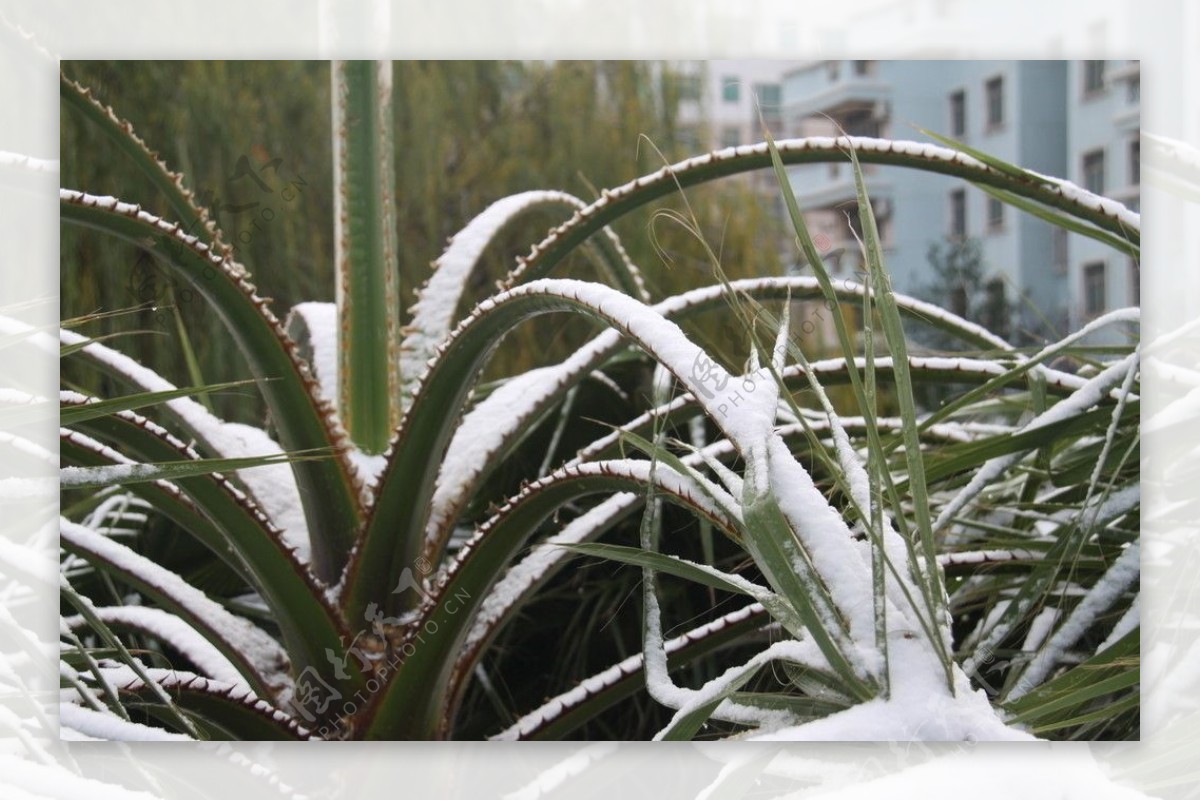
x=1135 y=162
x=1135 y=282
x=768 y=95
x=995 y=102
x=958 y=113
x=958 y=213
x=1058 y=250
x=995 y=312
x=1093 y=288
x=689 y=87
x=730 y=89
x=862 y=68
x=995 y=214
x=853 y=222
x=688 y=137
x=731 y=136
x=884 y=226
x=1093 y=171
x=1093 y=78
x=860 y=122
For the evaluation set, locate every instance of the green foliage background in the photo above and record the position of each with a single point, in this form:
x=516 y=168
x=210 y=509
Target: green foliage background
x=467 y=133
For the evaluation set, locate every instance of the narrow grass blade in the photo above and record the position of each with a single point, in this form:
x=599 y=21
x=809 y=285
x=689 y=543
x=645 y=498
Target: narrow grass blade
x=72 y=414
x=327 y=490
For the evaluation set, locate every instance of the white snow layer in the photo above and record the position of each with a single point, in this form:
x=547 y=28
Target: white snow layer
x=433 y=313
x=499 y=417
x=920 y=708
x=721 y=686
x=107 y=726
x=606 y=678
x=1128 y=622
x=273 y=486
x=527 y=573
x=258 y=648
x=173 y=631
x=725 y=397
x=123 y=677
x=106 y=474
x=1080 y=401
x=839 y=144
x=1115 y=581
x=321 y=321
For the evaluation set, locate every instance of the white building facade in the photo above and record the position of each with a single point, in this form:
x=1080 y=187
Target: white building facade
x=1074 y=119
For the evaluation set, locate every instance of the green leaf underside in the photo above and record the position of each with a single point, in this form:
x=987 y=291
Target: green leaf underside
x=236 y=535
x=397 y=712
x=325 y=486
x=552 y=251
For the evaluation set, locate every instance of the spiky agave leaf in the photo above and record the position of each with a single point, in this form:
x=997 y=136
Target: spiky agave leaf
x=259 y=659
x=397 y=712
x=1103 y=213
x=219 y=709
x=231 y=526
x=330 y=502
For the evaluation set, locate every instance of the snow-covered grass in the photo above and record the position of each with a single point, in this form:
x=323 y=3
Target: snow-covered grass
x=947 y=575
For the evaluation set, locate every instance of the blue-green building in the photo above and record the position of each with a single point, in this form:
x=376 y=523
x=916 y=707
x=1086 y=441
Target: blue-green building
x=1073 y=119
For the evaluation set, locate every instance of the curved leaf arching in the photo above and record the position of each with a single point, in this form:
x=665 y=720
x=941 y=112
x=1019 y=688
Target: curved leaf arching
x=492 y=430
x=259 y=659
x=224 y=710
x=238 y=532
x=445 y=616
x=392 y=540
x=326 y=487
x=120 y=132
x=1100 y=213
x=433 y=315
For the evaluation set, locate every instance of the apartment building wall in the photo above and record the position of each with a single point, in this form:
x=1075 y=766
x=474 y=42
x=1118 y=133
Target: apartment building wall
x=1104 y=124
x=1032 y=113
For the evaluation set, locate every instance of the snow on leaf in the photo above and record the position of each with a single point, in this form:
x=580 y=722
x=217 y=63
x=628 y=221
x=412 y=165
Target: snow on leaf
x=125 y=679
x=322 y=329
x=1088 y=395
x=527 y=573
x=1102 y=595
x=242 y=637
x=433 y=313
x=920 y=708
x=925 y=151
x=841 y=562
x=173 y=631
x=717 y=689
x=107 y=726
x=273 y=486
x=499 y=417
x=105 y=474
x=530 y=723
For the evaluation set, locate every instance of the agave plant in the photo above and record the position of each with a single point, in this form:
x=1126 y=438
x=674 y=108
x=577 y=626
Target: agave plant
x=332 y=576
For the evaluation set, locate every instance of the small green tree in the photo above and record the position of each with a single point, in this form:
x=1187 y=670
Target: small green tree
x=961 y=286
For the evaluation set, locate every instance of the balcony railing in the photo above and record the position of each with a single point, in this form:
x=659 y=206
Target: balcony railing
x=823 y=185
